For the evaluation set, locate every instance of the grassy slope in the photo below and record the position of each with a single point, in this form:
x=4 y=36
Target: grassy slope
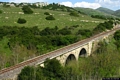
x=11 y=15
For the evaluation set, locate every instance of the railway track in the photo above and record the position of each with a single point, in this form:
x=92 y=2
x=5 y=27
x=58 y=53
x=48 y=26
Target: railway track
x=57 y=52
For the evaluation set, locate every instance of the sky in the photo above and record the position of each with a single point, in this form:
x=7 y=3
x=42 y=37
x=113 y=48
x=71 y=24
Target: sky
x=94 y=4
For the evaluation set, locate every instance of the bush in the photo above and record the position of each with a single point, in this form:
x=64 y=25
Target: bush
x=74 y=14
x=27 y=10
x=103 y=26
x=50 y=17
x=85 y=32
x=21 y=21
x=26 y=73
x=117 y=35
x=46 y=13
x=0 y=11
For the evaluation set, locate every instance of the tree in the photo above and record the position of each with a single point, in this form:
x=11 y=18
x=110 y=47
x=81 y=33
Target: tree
x=53 y=69
x=86 y=33
x=117 y=38
x=27 y=10
x=65 y=31
x=117 y=35
x=102 y=47
x=39 y=73
x=103 y=26
x=26 y=74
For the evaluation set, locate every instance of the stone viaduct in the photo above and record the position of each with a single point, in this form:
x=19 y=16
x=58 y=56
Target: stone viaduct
x=83 y=48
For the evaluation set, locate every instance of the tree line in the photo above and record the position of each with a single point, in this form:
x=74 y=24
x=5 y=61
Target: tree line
x=105 y=17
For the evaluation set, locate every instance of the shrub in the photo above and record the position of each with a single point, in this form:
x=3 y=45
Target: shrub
x=21 y=21
x=85 y=32
x=50 y=17
x=74 y=14
x=0 y=11
x=27 y=10
x=46 y=13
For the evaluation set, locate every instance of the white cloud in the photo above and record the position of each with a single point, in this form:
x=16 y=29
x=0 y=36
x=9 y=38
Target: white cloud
x=109 y=3
x=87 y=5
x=82 y=4
x=19 y=1
x=69 y=4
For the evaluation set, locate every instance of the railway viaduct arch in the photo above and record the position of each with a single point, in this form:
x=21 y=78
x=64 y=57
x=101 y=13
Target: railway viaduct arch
x=74 y=54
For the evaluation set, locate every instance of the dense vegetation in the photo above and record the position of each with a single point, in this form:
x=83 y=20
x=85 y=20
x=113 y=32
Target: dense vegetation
x=103 y=27
x=117 y=38
x=27 y=42
x=21 y=43
x=101 y=17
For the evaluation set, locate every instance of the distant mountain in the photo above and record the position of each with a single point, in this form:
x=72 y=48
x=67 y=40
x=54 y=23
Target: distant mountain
x=89 y=11
x=117 y=13
x=105 y=10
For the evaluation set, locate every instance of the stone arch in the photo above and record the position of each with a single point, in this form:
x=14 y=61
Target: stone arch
x=83 y=52
x=71 y=57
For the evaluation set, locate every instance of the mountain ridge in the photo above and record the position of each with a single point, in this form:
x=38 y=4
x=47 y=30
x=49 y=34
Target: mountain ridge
x=99 y=11
x=105 y=10
x=109 y=11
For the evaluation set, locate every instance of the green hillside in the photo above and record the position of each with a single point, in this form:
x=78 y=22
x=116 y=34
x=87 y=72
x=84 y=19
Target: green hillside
x=108 y=11
x=89 y=11
x=62 y=19
x=117 y=13
x=105 y=10
x=102 y=13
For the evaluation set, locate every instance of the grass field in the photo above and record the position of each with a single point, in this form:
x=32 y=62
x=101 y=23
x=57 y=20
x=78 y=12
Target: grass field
x=10 y=16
